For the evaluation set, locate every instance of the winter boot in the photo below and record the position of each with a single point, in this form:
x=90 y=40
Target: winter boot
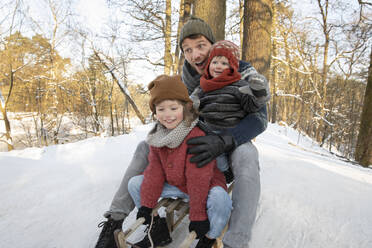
x=106 y=238
x=205 y=242
x=229 y=175
x=159 y=234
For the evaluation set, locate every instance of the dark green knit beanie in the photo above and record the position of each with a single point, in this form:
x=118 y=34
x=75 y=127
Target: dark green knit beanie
x=193 y=26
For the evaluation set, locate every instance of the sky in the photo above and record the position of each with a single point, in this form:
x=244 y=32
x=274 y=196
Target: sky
x=93 y=13
x=54 y=197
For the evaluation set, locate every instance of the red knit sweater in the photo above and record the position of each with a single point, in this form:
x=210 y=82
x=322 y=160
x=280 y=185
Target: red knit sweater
x=173 y=166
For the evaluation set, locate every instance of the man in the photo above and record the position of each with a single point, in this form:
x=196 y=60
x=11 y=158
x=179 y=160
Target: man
x=196 y=39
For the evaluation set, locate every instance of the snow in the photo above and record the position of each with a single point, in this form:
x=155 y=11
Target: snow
x=55 y=196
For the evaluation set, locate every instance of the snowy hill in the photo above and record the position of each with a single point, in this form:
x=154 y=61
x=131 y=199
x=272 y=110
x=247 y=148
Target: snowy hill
x=55 y=196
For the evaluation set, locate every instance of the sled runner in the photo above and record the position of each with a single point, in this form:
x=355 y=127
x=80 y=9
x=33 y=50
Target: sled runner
x=176 y=210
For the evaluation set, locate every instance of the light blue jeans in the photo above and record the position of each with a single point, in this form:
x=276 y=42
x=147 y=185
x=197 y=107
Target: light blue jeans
x=222 y=162
x=219 y=204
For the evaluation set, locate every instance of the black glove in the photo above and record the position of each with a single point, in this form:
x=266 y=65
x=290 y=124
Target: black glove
x=145 y=212
x=200 y=227
x=259 y=93
x=207 y=148
x=258 y=84
x=249 y=91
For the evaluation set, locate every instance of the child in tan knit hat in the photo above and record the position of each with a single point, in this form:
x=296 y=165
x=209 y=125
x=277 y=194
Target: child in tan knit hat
x=170 y=172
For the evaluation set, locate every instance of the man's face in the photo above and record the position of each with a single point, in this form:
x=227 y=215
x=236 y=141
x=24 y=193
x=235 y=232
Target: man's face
x=196 y=52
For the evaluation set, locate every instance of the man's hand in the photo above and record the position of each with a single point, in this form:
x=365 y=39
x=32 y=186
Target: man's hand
x=206 y=148
x=145 y=212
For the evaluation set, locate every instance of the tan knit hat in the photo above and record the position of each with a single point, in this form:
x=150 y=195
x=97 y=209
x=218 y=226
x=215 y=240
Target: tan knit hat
x=194 y=26
x=166 y=87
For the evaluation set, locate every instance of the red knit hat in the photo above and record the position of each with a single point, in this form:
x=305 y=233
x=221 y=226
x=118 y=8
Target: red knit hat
x=166 y=87
x=231 y=52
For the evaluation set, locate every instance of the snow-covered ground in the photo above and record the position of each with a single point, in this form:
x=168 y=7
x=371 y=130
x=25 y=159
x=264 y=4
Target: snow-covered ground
x=54 y=197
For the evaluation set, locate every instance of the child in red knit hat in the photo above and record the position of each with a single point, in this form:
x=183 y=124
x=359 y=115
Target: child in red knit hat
x=222 y=66
x=236 y=99
x=170 y=172
x=221 y=78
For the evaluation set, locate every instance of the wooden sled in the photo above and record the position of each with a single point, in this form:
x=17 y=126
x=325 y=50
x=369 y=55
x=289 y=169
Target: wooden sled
x=173 y=220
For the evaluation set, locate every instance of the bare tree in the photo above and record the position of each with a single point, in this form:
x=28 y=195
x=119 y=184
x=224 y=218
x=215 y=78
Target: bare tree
x=56 y=30
x=298 y=62
x=152 y=22
x=10 y=75
x=110 y=67
x=326 y=29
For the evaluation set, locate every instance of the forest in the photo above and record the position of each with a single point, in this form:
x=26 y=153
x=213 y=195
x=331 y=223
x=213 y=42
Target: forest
x=67 y=66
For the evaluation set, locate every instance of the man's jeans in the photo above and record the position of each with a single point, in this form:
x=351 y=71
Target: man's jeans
x=218 y=203
x=245 y=194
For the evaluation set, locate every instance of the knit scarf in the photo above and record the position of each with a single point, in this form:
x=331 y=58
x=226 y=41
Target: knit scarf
x=228 y=76
x=160 y=136
x=190 y=77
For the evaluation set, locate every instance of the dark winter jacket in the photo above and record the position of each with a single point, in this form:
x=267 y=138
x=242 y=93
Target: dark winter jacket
x=247 y=128
x=231 y=104
x=172 y=165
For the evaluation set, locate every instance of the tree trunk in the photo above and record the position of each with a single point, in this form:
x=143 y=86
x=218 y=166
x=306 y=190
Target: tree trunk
x=257 y=34
x=324 y=13
x=274 y=69
x=185 y=10
x=3 y=109
x=8 y=136
x=110 y=100
x=167 y=38
x=177 y=50
x=241 y=25
x=53 y=122
x=112 y=120
x=213 y=13
x=363 y=153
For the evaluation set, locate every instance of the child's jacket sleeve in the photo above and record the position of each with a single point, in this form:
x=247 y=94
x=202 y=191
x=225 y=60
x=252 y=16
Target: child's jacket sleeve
x=153 y=182
x=198 y=182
